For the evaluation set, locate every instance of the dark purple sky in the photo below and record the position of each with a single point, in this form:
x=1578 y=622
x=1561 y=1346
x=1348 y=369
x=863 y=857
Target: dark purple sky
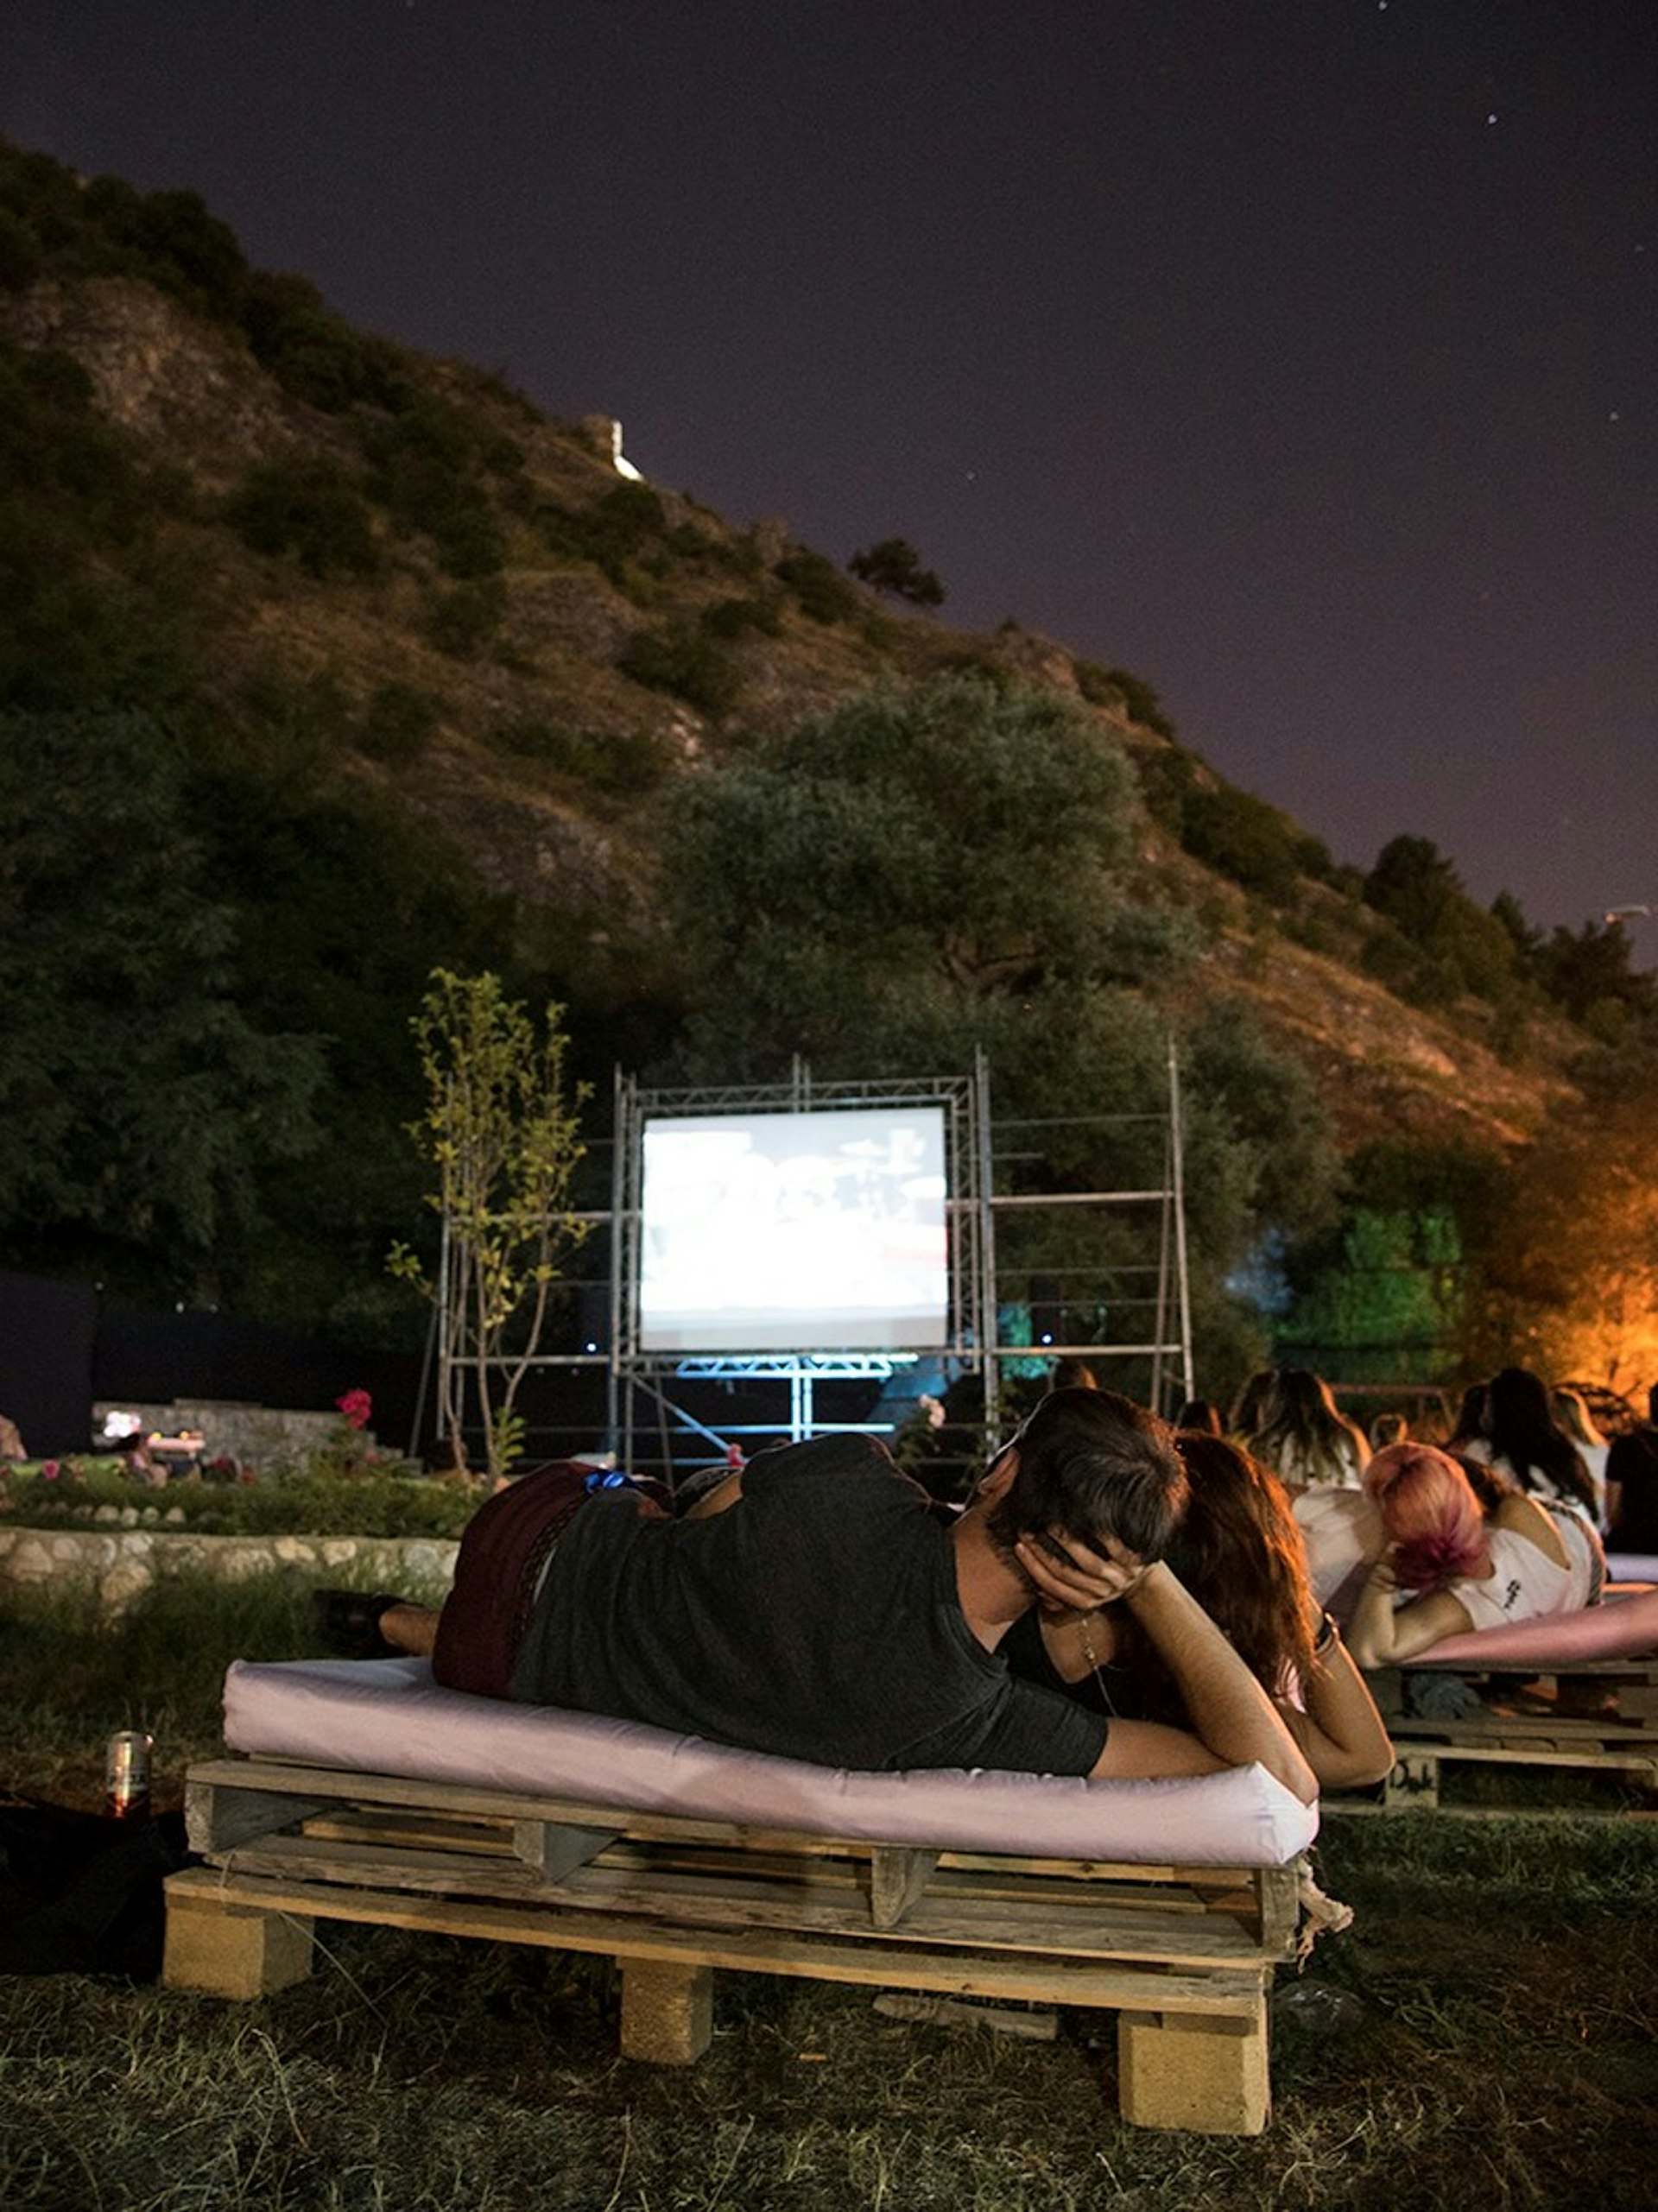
x=1297 y=355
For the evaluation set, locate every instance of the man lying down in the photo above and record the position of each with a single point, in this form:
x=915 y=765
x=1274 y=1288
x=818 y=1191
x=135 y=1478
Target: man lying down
x=814 y=1607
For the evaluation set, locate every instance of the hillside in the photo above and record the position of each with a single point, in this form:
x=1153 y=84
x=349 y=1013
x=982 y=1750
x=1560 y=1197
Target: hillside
x=494 y=705
x=435 y=661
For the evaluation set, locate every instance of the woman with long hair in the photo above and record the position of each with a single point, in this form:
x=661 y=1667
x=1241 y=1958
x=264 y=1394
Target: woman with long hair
x=1305 y=1440
x=1239 y=1552
x=1463 y=1550
x=1525 y=1442
x=1593 y=1449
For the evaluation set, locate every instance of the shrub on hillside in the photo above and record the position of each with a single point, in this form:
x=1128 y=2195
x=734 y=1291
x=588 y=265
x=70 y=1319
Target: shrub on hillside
x=732 y=618
x=678 y=659
x=1245 y=838
x=463 y=621
x=1116 y=689
x=424 y=469
x=398 y=723
x=305 y=506
x=820 y=589
x=615 y=761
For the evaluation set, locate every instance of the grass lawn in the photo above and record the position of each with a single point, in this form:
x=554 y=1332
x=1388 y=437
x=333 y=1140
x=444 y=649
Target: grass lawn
x=1505 y=2055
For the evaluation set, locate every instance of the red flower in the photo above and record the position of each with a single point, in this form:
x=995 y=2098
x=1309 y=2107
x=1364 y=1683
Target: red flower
x=356 y=1406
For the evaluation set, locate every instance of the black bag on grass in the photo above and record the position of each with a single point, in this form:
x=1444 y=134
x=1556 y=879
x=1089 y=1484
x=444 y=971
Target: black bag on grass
x=83 y=1895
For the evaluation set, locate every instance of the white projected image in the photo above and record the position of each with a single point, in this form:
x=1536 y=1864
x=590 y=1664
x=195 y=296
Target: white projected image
x=794 y=1232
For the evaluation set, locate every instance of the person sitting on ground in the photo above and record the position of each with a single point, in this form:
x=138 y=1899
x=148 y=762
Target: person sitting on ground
x=1305 y=1440
x=1524 y=1441
x=1632 y=1485
x=1454 y=1560
x=1239 y=1552
x=814 y=1606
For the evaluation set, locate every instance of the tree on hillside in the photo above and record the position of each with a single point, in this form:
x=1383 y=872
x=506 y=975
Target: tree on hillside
x=1444 y=944
x=920 y=873
x=139 y=1107
x=1588 y=974
x=893 y=565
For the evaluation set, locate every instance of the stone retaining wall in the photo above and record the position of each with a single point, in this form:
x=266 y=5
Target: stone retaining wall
x=121 y=1562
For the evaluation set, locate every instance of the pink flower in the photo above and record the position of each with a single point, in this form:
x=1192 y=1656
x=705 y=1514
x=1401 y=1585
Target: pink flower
x=50 y=1469
x=356 y=1406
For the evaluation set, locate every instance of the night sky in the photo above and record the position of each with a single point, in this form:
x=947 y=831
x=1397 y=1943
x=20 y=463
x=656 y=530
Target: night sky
x=1297 y=355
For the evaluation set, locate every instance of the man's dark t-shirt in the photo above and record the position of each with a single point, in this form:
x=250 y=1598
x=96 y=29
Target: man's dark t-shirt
x=816 y=1619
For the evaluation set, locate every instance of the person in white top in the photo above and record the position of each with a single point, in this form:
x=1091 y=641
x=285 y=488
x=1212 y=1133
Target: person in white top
x=1451 y=1562
x=1304 y=1440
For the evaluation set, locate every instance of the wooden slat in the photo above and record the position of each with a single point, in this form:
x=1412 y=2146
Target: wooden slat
x=725 y=1901
x=1233 y=1993
x=468 y=1803
x=1237 y=1893
x=897 y=1877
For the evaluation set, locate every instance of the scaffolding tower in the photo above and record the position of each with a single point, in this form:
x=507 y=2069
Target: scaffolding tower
x=1036 y=1275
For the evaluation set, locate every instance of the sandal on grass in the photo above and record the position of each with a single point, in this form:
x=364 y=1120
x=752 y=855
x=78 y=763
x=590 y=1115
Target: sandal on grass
x=348 y=1622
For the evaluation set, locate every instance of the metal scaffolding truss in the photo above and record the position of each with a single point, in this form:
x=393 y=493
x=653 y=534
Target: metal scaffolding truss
x=987 y=1296
x=1036 y=1275
x=634 y=1372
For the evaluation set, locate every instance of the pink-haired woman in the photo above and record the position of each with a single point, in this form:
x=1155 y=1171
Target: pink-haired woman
x=1456 y=1557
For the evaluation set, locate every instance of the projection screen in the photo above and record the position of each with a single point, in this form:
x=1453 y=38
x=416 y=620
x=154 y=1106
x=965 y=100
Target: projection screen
x=811 y=1232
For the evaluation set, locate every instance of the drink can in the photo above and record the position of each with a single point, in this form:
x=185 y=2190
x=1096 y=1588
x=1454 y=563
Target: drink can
x=126 y=1774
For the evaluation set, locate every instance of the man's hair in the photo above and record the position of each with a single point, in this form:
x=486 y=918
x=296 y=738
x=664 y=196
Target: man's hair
x=1095 y=1464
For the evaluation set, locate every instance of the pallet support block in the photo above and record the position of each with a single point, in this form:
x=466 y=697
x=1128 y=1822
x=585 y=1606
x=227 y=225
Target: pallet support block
x=667 y=2010
x=1201 y=2072
x=229 y=1951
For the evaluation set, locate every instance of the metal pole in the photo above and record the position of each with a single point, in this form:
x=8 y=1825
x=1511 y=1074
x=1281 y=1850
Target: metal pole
x=987 y=1311
x=1177 y=1148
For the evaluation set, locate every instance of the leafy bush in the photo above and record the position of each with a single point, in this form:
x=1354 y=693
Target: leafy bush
x=20 y=259
x=692 y=666
x=461 y=622
x=424 y=469
x=396 y=722
x=1245 y=838
x=616 y=761
x=306 y=506
x=314 y=354
x=893 y=565
x=820 y=590
x=730 y=618
x=315 y=1499
x=1125 y=693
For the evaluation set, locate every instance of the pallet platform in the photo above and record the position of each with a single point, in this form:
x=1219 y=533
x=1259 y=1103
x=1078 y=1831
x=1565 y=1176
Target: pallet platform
x=1589 y=1716
x=1185 y=1954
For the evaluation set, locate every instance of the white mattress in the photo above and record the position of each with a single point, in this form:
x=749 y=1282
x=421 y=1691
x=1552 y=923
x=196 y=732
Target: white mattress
x=388 y=1716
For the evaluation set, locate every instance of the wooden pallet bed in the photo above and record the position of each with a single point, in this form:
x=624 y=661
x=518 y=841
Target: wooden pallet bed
x=1182 y=1948
x=1578 y=1694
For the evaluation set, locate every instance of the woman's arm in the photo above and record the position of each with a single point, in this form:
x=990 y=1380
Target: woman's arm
x=1340 y=1734
x=1232 y=1716
x=1234 y=1722
x=1380 y=1636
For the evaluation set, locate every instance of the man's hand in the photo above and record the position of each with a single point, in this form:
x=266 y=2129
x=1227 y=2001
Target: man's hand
x=1068 y=1573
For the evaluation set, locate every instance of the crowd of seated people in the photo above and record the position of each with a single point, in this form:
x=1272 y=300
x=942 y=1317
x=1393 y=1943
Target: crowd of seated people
x=1502 y=1521
x=1303 y=1549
